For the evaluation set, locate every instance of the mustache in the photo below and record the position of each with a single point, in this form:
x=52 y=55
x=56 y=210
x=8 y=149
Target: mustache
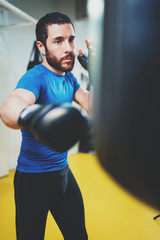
x=70 y=55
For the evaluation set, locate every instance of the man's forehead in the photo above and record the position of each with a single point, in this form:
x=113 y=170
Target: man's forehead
x=60 y=29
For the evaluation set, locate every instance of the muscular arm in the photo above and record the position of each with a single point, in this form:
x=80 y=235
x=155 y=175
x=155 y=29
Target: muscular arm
x=13 y=106
x=85 y=99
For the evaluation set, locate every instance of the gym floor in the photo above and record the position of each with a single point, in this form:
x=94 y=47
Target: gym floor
x=111 y=213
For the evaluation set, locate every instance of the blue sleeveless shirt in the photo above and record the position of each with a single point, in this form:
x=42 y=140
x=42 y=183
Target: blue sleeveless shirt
x=48 y=87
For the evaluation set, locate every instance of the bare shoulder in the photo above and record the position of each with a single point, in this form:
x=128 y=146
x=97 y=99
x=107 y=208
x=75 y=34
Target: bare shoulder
x=24 y=95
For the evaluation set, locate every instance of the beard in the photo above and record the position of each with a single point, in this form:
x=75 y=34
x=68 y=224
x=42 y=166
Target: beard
x=57 y=63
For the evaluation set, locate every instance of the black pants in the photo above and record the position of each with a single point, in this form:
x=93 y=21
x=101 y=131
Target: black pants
x=37 y=193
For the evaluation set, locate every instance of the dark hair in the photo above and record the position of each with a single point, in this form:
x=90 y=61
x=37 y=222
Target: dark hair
x=49 y=19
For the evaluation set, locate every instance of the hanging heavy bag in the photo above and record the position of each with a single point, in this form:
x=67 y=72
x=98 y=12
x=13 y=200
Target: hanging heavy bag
x=35 y=57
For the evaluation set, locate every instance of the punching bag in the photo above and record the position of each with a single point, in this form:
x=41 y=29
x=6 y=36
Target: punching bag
x=127 y=97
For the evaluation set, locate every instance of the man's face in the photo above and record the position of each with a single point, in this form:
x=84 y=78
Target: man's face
x=60 y=47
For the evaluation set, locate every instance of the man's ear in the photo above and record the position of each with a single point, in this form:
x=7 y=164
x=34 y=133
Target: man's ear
x=41 y=47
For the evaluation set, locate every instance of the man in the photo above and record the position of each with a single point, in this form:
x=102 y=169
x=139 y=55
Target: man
x=43 y=180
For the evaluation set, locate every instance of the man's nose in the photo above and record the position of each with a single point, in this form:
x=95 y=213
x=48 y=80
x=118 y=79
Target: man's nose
x=68 y=47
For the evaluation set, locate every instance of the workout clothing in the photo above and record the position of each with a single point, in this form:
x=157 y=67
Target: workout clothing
x=48 y=87
x=43 y=180
x=56 y=192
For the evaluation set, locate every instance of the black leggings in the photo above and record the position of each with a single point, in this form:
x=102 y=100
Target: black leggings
x=37 y=193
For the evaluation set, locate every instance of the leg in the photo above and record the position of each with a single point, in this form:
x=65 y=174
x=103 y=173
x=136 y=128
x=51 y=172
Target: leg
x=31 y=212
x=68 y=211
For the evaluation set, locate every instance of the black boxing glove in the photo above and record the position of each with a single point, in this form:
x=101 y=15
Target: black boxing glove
x=88 y=62
x=57 y=126
x=27 y=115
x=83 y=60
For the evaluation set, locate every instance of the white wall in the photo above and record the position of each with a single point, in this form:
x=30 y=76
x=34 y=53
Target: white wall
x=15 y=50
x=4 y=143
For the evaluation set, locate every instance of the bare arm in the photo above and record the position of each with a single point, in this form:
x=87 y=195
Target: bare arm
x=85 y=99
x=13 y=106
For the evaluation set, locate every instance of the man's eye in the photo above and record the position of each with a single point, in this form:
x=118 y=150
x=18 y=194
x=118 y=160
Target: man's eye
x=58 y=41
x=71 y=40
